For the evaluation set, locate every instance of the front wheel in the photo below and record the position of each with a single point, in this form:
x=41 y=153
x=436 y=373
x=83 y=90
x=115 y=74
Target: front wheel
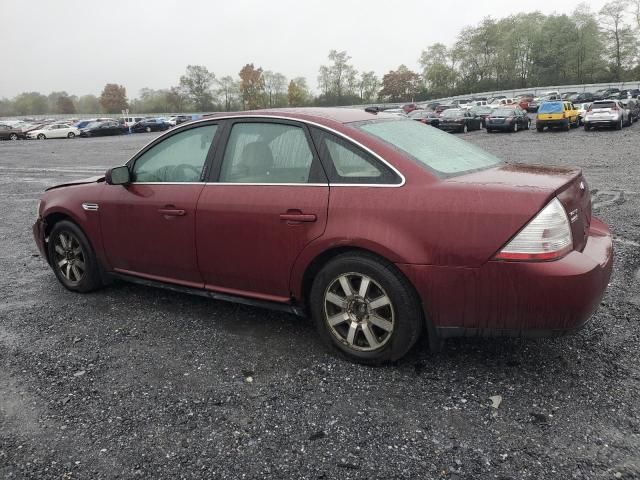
x=515 y=127
x=13 y=136
x=539 y=128
x=41 y=136
x=365 y=308
x=148 y=129
x=71 y=135
x=72 y=258
x=465 y=128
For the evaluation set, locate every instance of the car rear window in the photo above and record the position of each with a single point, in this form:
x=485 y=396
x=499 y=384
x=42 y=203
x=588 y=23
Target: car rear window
x=439 y=151
x=604 y=105
x=550 y=107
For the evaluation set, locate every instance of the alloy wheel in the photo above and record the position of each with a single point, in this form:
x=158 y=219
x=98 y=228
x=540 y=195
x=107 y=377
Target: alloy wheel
x=14 y=136
x=69 y=257
x=359 y=312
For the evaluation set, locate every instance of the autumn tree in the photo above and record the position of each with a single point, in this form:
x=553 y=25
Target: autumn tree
x=252 y=86
x=114 y=98
x=400 y=85
x=298 y=93
x=196 y=82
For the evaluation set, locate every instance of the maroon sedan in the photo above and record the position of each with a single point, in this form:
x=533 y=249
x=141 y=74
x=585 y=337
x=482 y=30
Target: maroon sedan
x=379 y=227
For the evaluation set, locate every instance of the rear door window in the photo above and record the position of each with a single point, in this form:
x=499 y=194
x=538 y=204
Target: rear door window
x=267 y=152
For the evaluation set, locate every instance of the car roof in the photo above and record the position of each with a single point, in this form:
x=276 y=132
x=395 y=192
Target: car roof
x=314 y=114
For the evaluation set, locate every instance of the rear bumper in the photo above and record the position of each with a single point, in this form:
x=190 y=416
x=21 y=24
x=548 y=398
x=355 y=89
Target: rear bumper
x=451 y=127
x=562 y=122
x=499 y=126
x=517 y=298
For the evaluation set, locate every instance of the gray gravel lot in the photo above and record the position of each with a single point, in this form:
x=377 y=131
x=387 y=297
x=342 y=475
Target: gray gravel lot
x=136 y=382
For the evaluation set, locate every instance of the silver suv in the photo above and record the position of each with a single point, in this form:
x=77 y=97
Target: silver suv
x=610 y=113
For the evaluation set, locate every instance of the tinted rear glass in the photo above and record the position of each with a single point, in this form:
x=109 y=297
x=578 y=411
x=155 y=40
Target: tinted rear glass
x=439 y=151
x=503 y=112
x=550 y=107
x=604 y=105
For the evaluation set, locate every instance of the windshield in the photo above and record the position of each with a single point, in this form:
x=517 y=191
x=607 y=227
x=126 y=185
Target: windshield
x=421 y=114
x=439 y=151
x=452 y=113
x=604 y=105
x=550 y=107
x=481 y=110
x=502 y=112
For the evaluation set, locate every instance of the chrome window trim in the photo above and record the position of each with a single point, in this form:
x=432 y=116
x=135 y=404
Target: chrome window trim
x=291 y=119
x=228 y=184
x=166 y=183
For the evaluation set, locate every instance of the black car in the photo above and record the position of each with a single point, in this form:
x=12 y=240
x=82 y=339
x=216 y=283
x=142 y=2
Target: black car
x=9 y=133
x=101 y=129
x=150 y=125
x=425 y=116
x=482 y=111
x=605 y=93
x=508 y=119
x=459 y=120
x=584 y=97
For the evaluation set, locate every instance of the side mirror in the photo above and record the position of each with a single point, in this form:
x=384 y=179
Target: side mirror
x=118 y=176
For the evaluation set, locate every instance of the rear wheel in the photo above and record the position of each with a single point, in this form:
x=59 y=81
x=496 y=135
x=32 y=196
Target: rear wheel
x=515 y=126
x=72 y=258
x=71 y=135
x=13 y=136
x=465 y=128
x=41 y=136
x=147 y=129
x=539 y=128
x=363 y=307
x=619 y=124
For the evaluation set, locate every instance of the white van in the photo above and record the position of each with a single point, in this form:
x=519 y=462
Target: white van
x=129 y=121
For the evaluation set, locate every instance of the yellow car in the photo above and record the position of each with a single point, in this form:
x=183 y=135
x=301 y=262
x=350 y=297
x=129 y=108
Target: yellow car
x=557 y=114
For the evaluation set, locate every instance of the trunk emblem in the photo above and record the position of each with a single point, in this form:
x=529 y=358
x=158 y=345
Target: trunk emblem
x=573 y=215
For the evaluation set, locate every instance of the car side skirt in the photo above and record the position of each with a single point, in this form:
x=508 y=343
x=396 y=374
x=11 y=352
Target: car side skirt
x=282 y=307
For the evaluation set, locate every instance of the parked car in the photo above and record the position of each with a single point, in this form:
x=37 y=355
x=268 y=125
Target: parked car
x=150 y=125
x=409 y=107
x=583 y=98
x=608 y=113
x=8 y=132
x=130 y=121
x=55 y=130
x=425 y=116
x=566 y=95
x=582 y=111
x=633 y=107
x=441 y=108
x=604 y=93
x=101 y=129
x=459 y=120
x=482 y=112
x=508 y=119
x=557 y=115
x=518 y=242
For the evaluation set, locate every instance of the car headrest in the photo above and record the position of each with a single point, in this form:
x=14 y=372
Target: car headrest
x=257 y=158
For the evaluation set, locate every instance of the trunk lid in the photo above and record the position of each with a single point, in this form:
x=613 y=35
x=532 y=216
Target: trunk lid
x=542 y=183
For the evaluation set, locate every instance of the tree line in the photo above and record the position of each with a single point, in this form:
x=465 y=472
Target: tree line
x=519 y=51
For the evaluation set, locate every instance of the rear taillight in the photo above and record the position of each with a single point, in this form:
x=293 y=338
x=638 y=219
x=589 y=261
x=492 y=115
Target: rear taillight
x=614 y=109
x=546 y=237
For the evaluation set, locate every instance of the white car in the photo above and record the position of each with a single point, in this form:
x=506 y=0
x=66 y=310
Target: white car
x=56 y=130
x=582 y=110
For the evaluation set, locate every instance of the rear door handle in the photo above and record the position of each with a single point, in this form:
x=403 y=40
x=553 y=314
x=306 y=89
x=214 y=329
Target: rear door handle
x=171 y=212
x=298 y=216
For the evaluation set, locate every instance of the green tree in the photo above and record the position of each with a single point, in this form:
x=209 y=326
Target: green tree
x=88 y=104
x=196 y=82
x=368 y=86
x=437 y=74
x=620 y=40
x=229 y=91
x=30 y=103
x=114 y=98
x=275 y=87
x=338 y=80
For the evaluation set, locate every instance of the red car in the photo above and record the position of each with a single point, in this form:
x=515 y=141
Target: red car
x=379 y=227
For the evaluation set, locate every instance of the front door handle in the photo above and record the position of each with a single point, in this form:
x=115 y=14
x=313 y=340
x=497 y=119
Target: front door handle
x=295 y=216
x=171 y=212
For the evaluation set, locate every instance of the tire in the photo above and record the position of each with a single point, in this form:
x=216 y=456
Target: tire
x=539 y=128
x=587 y=127
x=465 y=128
x=619 y=125
x=41 y=136
x=147 y=129
x=489 y=130
x=568 y=127
x=399 y=317
x=515 y=127
x=67 y=257
x=13 y=136
x=71 y=135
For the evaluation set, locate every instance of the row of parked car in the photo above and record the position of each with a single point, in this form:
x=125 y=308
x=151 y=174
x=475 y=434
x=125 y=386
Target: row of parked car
x=94 y=127
x=555 y=114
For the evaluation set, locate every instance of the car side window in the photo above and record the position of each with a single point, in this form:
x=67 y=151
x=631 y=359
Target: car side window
x=346 y=163
x=261 y=152
x=178 y=158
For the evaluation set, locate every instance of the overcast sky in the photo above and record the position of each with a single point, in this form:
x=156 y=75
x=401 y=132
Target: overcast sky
x=79 y=45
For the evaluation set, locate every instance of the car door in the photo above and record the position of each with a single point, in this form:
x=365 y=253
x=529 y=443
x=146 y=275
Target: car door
x=266 y=200
x=148 y=226
x=5 y=132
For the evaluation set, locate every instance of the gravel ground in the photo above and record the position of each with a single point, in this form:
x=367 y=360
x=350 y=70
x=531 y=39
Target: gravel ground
x=138 y=382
